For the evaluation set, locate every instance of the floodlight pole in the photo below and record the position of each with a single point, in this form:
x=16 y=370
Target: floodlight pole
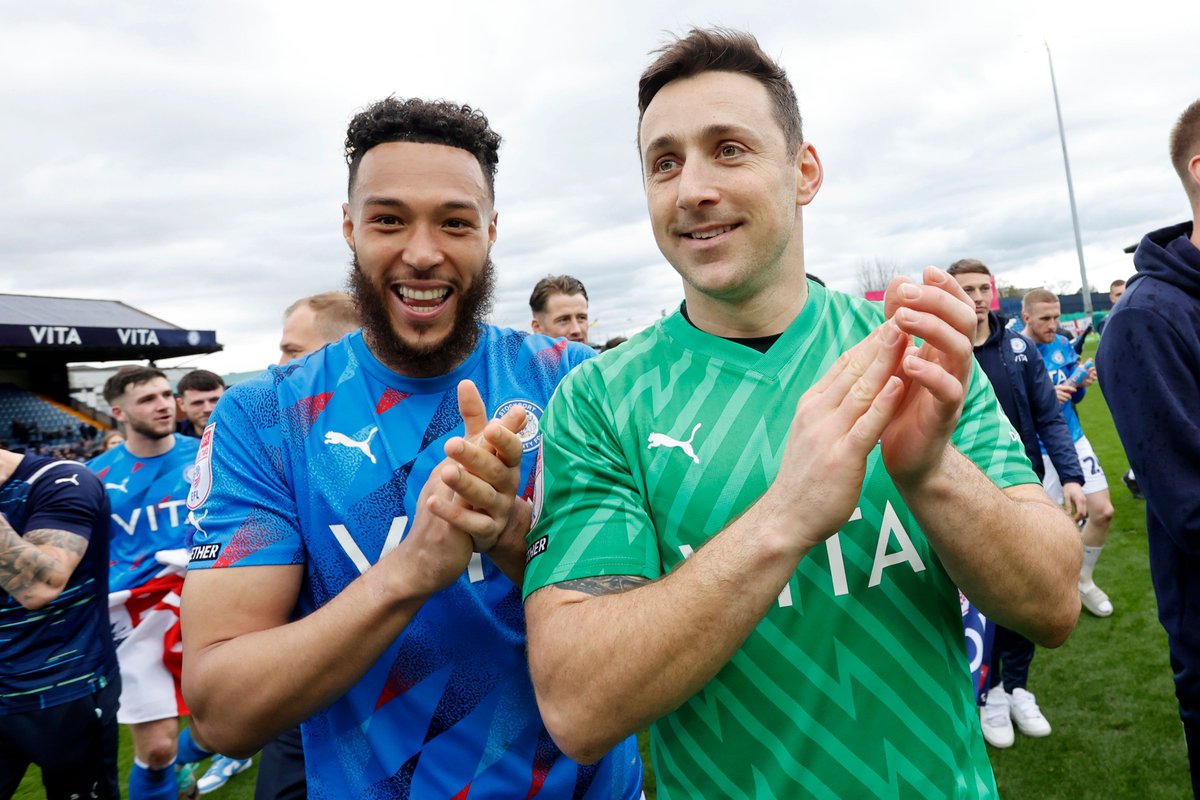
x=1085 y=289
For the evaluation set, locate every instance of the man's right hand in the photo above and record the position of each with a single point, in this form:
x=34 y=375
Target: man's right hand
x=1064 y=391
x=836 y=425
x=466 y=504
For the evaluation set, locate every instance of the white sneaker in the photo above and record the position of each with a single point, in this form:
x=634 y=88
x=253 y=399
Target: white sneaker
x=1027 y=715
x=1096 y=601
x=995 y=719
x=220 y=771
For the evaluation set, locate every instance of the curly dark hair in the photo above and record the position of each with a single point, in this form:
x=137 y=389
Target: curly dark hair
x=427 y=122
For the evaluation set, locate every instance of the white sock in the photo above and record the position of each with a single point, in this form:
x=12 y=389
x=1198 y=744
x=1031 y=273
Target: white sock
x=1090 y=556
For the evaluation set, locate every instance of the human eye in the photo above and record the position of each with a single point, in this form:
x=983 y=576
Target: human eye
x=730 y=150
x=387 y=220
x=665 y=165
x=459 y=224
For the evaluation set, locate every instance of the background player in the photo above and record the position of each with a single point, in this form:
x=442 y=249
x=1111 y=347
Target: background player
x=57 y=712
x=560 y=308
x=326 y=493
x=147 y=479
x=312 y=322
x=782 y=597
x=1018 y=376
x=1040 y=311
x=198 y=392
x=1150 y=368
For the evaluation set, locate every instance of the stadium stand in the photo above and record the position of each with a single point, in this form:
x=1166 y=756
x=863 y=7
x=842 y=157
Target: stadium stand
x=40 y=336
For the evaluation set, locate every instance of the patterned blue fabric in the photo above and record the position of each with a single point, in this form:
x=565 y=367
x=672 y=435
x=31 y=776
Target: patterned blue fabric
x=320 y=462
x=1060 y=358
x=149 y=508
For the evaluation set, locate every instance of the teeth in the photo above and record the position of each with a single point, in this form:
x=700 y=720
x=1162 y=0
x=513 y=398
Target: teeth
x=710 y=234
x=423 y=294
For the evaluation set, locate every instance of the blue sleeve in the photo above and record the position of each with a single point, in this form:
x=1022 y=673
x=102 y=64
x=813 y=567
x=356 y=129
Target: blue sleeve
x=1048 y=420
x=1151 y=388
x=62 y=504
x=243 y=507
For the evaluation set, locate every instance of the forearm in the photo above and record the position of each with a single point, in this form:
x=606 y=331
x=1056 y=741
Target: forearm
x=248 y=688
x=1016 y=557
x=33 y=575
x=606 y=666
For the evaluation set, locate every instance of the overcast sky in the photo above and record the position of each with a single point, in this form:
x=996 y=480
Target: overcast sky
x=187 y=158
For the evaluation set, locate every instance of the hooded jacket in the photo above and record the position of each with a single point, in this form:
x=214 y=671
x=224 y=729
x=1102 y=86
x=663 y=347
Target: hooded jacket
x=1149 y=368
x=1030 y=404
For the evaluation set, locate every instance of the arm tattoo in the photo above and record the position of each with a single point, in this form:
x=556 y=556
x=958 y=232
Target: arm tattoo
x=23 y=565
x=604 y=584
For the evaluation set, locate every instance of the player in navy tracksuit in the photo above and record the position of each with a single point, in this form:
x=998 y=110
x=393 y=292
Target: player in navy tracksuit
x=59 y=681
x=1149 y=360
x=1018 y=376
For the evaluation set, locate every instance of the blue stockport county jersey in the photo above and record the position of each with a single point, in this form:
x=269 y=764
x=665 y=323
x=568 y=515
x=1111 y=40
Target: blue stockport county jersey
x=320 y=463
x=1060 y=358
x=149 y=508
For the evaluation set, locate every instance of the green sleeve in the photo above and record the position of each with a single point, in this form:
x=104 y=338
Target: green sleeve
x=985 y=435
x=593 y=519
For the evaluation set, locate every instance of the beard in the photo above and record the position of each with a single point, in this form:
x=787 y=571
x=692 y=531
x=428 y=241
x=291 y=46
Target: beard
x=473 y=305
x=149 y=430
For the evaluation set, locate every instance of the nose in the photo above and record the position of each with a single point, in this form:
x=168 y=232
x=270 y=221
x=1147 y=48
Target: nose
x=577 y=332
x=696 y=187
x=422 y=251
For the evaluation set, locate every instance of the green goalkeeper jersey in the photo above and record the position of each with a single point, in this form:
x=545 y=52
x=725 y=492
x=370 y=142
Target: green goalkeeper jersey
x=855 y=684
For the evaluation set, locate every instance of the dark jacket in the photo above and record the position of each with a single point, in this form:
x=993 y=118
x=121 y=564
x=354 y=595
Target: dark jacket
x=1149 y=368
x=1009 y=357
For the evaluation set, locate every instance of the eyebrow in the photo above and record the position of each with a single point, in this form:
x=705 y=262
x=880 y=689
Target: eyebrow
x=394 y=202
x=714 y=131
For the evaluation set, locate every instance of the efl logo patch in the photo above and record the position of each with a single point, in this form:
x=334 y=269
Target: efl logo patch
x=202 y=478
x=536 y=549
x=204 y=552
x=531 y=434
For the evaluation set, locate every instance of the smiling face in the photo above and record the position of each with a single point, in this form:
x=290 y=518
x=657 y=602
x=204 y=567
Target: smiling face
x=565 y=315
x=420 y=223
x=198 y=405
x=723 y=192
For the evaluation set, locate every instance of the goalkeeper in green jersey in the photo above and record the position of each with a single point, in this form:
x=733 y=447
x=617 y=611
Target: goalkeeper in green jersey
x=756 y=512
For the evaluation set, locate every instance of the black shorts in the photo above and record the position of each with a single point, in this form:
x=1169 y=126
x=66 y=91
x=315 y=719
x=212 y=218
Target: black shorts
x=74 y=743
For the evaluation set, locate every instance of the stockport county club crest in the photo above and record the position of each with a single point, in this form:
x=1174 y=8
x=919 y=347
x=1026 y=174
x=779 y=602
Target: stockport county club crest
x=531 y=434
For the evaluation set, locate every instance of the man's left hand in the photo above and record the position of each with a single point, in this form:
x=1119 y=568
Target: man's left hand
x=935 y=374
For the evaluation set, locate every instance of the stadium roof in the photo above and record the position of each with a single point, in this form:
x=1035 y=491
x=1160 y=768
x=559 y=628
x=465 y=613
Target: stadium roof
x=75 y=329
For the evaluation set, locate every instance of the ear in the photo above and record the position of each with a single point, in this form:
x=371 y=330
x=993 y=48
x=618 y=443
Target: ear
x=1194 y=173
x=347 y=226
x=809 y=174
x=536 y=326
x=492 y=229
x=118 y=414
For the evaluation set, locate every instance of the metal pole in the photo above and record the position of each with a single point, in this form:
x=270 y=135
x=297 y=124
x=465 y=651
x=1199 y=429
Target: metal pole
x=1085 y=289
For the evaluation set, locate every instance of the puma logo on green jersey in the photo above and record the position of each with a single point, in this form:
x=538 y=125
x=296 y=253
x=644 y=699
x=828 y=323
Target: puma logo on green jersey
x=662 y=440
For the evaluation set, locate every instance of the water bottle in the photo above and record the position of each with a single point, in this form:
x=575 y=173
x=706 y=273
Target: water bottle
x=1080 y=372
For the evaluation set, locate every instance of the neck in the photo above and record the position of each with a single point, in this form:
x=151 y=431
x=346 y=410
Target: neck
x=983 y=329
x=765 y=312
x=146 y=447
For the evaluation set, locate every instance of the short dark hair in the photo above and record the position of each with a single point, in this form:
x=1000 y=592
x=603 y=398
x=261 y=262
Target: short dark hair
x=126 y=376
x=968 y=266
x=1185 y=143
x=724 y=50
x=426 y=122
x=199 y=380
x=334 y=313
x=1115 y=284
x=551 y=285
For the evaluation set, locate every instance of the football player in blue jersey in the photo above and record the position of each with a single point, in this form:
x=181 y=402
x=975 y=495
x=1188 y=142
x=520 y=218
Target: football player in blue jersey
x=147 y=478
x=58 y=676
x=1040 y=311
x=359 y=544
